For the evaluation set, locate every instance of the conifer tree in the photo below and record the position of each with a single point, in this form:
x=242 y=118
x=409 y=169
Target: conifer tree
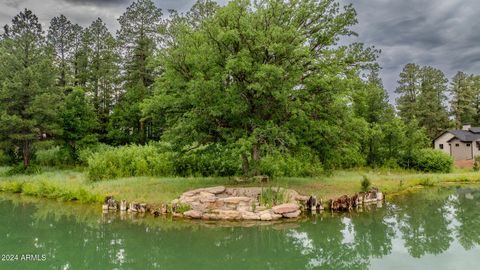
x=29 y=99
x=137 y=39
x=463 y=99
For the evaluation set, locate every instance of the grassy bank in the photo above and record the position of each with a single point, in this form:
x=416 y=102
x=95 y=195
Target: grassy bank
x=71 y=185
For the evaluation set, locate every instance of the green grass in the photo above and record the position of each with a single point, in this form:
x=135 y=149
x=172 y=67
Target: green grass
x=71 y=185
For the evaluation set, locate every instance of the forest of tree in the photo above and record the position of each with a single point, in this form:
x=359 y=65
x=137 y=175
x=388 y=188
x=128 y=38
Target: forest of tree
x=250 y=80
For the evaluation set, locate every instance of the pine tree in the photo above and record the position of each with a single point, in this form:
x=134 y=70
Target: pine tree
x=432 y=111
x=476 y=90
x=408 y=91
x=101 y=72
x=137 y=38
x=422 y=98
x=463 y=99
x=28 y=96
x=61 y=37
x=79 y=59
x=200 y=11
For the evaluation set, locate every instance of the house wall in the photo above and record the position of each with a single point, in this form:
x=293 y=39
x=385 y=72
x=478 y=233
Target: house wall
x=443 y=140
x=461 y=152
x=476 y=150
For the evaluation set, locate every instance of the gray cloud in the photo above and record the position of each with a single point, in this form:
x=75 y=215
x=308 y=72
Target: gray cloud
x=96 y=2
x=440 y=33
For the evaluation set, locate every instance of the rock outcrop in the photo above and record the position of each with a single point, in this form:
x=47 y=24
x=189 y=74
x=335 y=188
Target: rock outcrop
x=347 y=203
x=220 y=203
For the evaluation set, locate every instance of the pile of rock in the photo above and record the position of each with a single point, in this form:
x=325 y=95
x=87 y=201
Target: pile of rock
x=110 y=204
x=347 y=203
x=220 y=203
x=313 y=205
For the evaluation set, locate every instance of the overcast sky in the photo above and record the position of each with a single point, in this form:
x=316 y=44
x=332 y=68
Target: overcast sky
x=440 y=33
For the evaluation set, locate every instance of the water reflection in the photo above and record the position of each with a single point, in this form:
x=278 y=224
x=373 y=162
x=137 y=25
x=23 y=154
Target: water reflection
x=440 y=222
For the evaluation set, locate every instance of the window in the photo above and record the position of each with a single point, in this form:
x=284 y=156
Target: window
x=457 y=145
x=441 y=146
x=468 y=145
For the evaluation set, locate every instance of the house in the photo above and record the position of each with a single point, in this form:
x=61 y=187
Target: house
x=460 y=144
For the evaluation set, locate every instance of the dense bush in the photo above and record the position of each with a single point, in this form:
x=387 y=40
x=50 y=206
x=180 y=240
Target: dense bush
x=86 y=152
x=56 y=156
x=159 y=160
x=283 y=164
x=428 y=160
x=213 y=160
x=476 y=164
x=21 y=169
x=4 y=158
x=130 y=160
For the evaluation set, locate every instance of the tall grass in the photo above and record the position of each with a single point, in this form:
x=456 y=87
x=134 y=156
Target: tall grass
x=63 y=186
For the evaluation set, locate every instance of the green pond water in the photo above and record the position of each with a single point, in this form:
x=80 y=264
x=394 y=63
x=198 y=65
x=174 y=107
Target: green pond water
x=438 y=229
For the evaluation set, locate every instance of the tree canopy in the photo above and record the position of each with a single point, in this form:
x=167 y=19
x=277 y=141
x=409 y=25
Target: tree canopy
x=257 y=83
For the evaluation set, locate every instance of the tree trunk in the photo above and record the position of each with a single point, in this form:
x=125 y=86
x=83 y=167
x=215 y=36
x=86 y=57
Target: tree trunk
x=26 y=153
x=245 y=165
x=255 y=158
x=142 y=132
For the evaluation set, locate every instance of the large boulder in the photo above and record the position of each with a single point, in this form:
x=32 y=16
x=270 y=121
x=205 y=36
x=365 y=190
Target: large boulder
x=215 y=190
x=193 y=214
x=292 y=214
x=285 y=208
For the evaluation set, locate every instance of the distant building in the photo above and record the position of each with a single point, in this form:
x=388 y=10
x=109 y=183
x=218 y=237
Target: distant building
x=460 y=144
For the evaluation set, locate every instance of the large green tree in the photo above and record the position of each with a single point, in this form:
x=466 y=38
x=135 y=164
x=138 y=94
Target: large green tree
x=463 y=99
x=262 y=74
x=370 y=102
x=28 y=96
x=476 y=102
x=101 y=71
x=408 y=90
x=78 y=119
x=61 y=37
x=432 y=111
x=422 y=98
x=137 y=37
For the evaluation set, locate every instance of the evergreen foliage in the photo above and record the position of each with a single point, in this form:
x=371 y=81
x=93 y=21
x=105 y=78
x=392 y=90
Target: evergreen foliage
x=252 y=87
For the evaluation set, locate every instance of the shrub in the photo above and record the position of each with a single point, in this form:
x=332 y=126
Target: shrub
x=21 y=169
x=427 y=182
x=213 y=160
x=428 y=160
x=54 y=157
x=87 y=152
x=300 y=164
x=4 y=158
x=366 y=183
x=129 y=161
x=476 y=164
x=11 y=186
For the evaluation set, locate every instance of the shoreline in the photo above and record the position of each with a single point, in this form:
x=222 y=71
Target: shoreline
x=69 y=185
